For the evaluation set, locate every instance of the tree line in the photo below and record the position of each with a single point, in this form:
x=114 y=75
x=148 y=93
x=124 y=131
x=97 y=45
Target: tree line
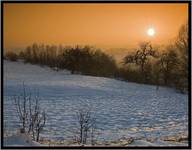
x=147 y=64
x=85 y=60
x=167 y=67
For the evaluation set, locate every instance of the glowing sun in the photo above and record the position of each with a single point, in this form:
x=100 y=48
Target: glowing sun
x=151 y=32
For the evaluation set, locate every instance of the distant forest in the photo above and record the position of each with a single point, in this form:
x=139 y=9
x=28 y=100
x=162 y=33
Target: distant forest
x=148 y=65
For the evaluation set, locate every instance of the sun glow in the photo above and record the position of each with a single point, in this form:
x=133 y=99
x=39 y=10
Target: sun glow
x=151 y=32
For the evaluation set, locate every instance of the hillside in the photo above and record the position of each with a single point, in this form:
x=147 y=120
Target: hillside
x=122 y=109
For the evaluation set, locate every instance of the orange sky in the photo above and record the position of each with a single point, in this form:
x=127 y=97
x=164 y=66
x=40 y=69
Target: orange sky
x=101 y=25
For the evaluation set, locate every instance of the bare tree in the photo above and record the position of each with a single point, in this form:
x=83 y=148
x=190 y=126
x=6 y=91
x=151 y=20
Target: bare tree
x=21 y=105
x=86 y=123
x=183 y=49
x=93 y=133
x=31 y=116
x=141 y=56
x=182 y=39
x=40 y=123
x=168 y=62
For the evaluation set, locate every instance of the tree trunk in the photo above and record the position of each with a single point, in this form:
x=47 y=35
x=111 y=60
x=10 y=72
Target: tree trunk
x=37 y=139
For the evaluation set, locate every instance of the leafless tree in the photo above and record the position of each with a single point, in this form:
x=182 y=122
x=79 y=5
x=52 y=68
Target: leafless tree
x=31 y=116
x=21 y=106
x=182 y=39
x=94 y=133
x=40 y=123
x=86 y=125
x=183 y=48
x=167 y=63
x=141 y=56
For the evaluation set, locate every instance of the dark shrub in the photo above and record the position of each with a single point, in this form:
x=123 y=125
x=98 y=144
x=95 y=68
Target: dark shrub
x=11 y=56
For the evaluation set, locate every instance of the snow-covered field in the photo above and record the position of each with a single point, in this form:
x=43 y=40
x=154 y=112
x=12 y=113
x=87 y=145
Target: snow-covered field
x=121 y=109
x=20 y=140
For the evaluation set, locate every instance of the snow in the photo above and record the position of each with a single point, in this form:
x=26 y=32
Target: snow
x=20 y=139
x=122 y=109
x=141 y=143
x=164 y=143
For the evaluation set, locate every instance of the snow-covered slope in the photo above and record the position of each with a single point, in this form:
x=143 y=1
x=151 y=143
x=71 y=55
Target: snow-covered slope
x=121 y=109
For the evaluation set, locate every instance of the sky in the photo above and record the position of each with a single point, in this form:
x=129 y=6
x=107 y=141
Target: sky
x=101 y=25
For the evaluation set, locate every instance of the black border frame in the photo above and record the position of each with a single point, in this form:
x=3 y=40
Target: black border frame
x=102 y=147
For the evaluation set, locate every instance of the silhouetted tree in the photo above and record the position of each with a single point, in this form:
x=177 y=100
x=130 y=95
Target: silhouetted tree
x=168 y=62
x=183 y=50
x=88 y=61
x=141 y=57
x=12 y=56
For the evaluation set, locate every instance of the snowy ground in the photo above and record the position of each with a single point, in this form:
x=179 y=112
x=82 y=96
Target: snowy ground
x=122 y=109
x=20 y=140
